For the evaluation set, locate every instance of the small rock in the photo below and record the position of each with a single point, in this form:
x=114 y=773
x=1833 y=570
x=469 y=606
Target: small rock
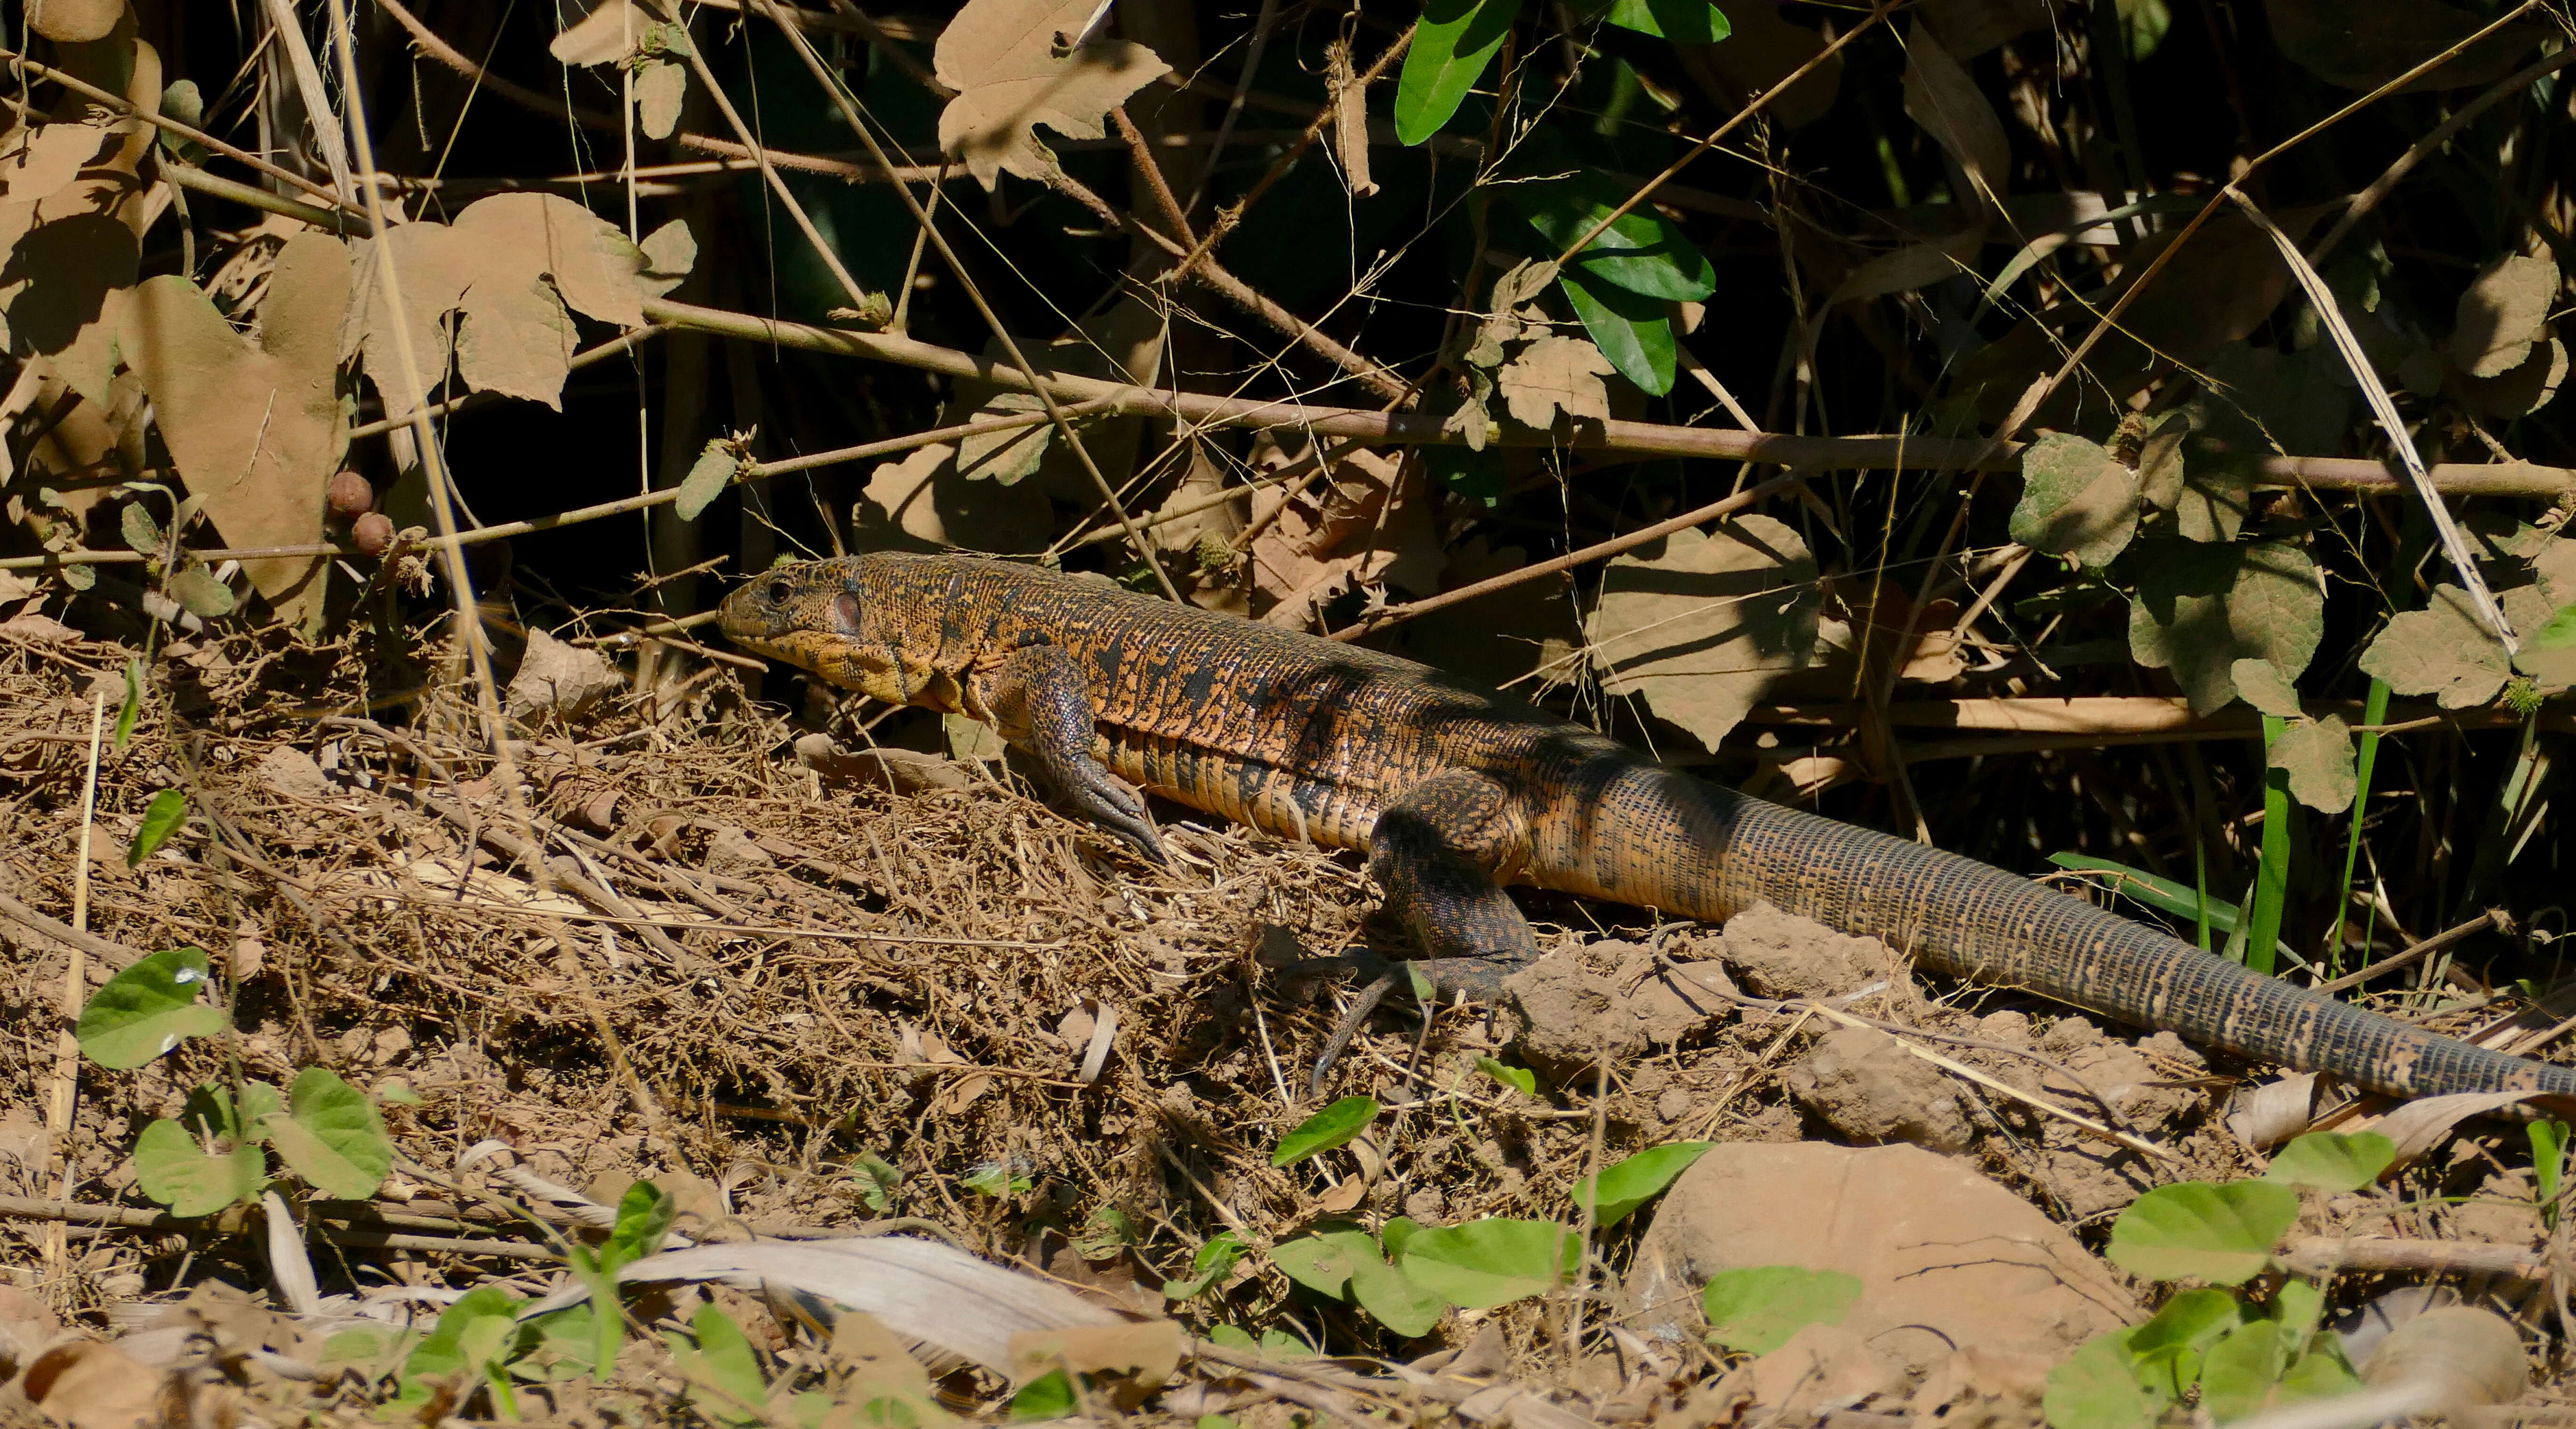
x=2169 y=1047
x=1426 y=1205
x=1572 y=1017
x=1947 y=1260
x=560 y=679
x=732 y=853
x=2069 y=1034
x=1862 y=1084
x=293 y=773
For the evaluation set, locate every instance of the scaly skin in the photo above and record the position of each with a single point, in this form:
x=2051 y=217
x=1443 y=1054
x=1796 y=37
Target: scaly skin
x=1302 y=737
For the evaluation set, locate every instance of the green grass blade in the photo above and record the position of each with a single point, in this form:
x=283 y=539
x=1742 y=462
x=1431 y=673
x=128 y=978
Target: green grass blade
x=2272 y=874
x=2374 y=711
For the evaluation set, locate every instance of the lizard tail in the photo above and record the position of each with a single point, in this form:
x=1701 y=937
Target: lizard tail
x=1705 y=851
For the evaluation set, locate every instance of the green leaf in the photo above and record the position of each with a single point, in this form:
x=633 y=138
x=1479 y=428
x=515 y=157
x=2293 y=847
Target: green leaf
x=1519 y=1079
x=1635 y=333
x=141 y=532
x=727 y=1368
x=469 y=1341
x=2315 y=759
x=2097 y=1389
x=204 y=596
x=1631 y=1183
x=1398 y=1232
x=1758 y=1308
x=2237 y=1375
x=2221 y=1234
x=1692 y=21
x=133 y=706
x=148 y=1009
x=1641 y=251
x=997 y=1179
x=1215 y=1260
x=2077 y=500
x=877 y=1180
x=1326 y=1129
x=171 y=1167
x=332 y=1136
x=161 y=819
x=1493 y=1261
x=2165 y=1351
x=1050 y=1395
x=2443 y=650
x=1452 y=47
x=1322 y=1261
x=2321 y=1373
x=2548 y=1157
x=2559 y=631
x=644 y=1216
x=2333 y=1160
x=707 y=479
x=2203 y=607
x=1392 y=1296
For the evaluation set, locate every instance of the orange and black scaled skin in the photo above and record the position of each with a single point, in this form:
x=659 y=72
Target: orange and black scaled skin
x=1454 y=790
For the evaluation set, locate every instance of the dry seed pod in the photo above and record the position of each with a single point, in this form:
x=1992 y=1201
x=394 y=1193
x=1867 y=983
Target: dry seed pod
x=352 y=495
x=372 y=533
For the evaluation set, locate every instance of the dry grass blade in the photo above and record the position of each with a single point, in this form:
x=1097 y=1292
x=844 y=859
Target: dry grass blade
x=2455 y=546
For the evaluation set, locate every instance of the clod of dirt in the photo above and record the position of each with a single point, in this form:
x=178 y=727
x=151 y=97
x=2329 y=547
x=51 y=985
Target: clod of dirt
x=1821 y=1369
x=1780 y=954
x=1980 y=1389
x=732 y=853
x=1571 y=1015
x=2112 y=1070
x=1862 y=1084
x=293 y=773
x=560 y=679
x=26 y=1327
x=1947 y=1260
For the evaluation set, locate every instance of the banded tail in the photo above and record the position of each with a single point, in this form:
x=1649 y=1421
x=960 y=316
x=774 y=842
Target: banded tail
x=1657 y=837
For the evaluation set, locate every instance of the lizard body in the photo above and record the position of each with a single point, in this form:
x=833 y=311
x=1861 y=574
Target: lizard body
x=1454 y=790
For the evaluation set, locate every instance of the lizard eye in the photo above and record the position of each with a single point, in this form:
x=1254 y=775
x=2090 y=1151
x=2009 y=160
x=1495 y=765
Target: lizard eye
x=779 y=591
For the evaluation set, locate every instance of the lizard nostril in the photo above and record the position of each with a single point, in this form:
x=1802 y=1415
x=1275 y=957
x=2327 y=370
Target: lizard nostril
x=779 y=591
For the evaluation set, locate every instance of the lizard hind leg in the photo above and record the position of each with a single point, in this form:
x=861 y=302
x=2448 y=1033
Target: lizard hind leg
x=1037 y=697
x=1441 y=851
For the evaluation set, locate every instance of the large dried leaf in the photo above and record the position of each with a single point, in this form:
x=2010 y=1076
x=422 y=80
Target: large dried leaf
x=1556 y=374
x=1701 y=624
x=2502 y=314
x=2076 y=500
x=1369 y=528
x=609 y=33
x=507 y=268
x=2443 y=650
x=2364 y=46
x=1941 y=97
x=2317 y=755
x=921 y=503
x=2202 y=608
x=1498 y=638
x=69 y=217
x=2519 y=391
x=1016 y=64
x=72 y=22
x=254 y=425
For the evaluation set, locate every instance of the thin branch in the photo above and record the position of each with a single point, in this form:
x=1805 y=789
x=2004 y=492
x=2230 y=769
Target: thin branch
x=30 y=68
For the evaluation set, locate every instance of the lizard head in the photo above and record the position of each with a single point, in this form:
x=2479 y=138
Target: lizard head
x=811 y=617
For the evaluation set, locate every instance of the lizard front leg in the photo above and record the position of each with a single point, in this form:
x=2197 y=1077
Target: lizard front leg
x=1037 y=697
x=1442 y=851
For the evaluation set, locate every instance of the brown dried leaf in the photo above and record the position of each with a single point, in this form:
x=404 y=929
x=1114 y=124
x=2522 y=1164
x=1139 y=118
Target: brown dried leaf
x=2522 y=390
x=1556 y=373
x=921 y=503
x=660 y=89
x=609 y=33
x=72 y=22
x=508 y=266
x=2317 y=755
x=1941 y=97
x=1370 y=527
x=1016 y=64
x=1701 y=624
x=1007 y=456
x=2076 y=500
x=2202 y=608
x=1498 y=638
x=253 y=425
x=89 y=1385
x=2502 y=314
x=2443 y=650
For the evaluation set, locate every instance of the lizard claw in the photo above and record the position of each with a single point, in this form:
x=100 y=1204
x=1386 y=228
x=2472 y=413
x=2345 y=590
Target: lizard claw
x=1113 y=804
